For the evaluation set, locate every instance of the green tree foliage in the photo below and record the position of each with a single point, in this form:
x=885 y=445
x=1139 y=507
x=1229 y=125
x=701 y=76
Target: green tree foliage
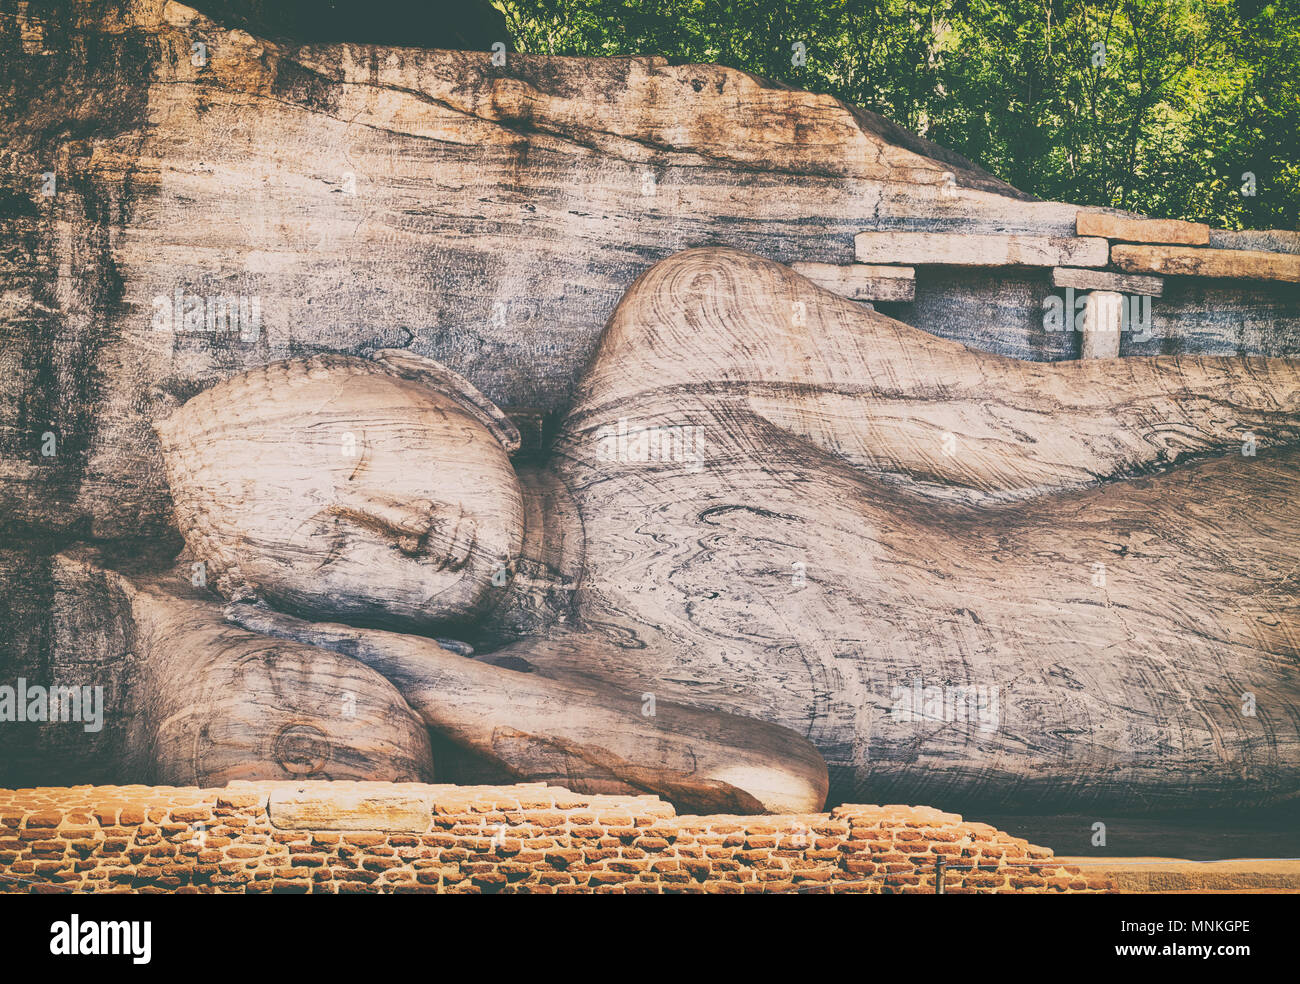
x=1159 y=106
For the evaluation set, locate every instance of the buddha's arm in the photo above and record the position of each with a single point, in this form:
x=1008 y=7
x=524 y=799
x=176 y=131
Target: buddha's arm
x=589 y=737
x=207 y=703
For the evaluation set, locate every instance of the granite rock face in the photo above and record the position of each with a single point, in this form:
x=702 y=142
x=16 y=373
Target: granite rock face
x=185 y=198
x=349 y=197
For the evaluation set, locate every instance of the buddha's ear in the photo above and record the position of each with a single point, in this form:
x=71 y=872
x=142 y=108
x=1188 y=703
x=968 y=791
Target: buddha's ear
x=434 y=374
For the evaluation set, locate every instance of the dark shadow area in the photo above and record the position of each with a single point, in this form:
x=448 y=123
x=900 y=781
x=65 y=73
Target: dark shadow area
x=1197 y=835
x=469 y=25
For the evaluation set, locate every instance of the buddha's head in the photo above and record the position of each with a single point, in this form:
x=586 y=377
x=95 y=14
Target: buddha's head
x=340 y=489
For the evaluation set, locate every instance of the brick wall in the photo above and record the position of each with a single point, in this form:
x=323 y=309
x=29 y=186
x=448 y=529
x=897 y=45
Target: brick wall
x=380 y=837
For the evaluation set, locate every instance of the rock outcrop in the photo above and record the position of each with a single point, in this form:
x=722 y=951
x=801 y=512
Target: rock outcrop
x=353 y=197
x=184 y=199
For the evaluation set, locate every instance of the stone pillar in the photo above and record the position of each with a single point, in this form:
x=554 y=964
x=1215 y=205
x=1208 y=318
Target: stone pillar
x=1103 y=314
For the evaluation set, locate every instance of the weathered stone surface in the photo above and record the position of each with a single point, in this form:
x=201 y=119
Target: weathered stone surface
x=351 y=806
x=862 y=408
x=1188 y=262
x=1264 y=240
x=342 y=489
x=1161 y=876
x=337 y=450
x=1124 y=283
x=319 y=179
x=1101 y=325
x=881 y=511
x=1219 y=317
x=979 y=249
x=862 y=282
x=1142 y=230
x=600 y=739
x=189 y=698
x=499 y=215
x=1193 y=316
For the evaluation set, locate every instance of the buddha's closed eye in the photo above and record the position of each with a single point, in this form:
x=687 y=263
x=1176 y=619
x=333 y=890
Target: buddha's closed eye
x=437 y=532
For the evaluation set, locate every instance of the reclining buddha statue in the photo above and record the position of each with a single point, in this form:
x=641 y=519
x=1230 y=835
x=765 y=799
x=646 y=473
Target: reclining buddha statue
x=782 y=548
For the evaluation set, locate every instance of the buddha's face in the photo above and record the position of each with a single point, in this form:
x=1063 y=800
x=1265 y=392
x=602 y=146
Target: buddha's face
x=340 y=492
